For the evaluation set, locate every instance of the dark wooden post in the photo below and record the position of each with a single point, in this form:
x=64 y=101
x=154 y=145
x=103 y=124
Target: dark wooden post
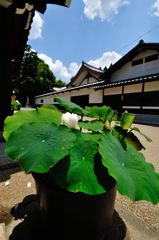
x=5 y=66
x=14 y=31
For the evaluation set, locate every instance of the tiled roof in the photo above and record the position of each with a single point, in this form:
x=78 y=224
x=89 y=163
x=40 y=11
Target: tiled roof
x=71 y=89
x=141 y=46
x=102 y=84
x=139 y=79
x=92 y=67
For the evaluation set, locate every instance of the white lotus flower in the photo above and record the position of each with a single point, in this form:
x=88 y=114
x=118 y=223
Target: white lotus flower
x=70 y=120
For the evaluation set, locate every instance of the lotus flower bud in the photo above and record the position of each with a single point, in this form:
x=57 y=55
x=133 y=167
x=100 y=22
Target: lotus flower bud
x=107 y=124
x=70 y=120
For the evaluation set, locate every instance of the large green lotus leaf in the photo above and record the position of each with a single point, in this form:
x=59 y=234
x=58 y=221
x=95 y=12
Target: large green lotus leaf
x=92 y=125
x=135 y=177
x=39 y=146
x=99 y=112
x=81 y=176
x=112 y=115
x=59 y=172
x=133 y=140
x=40 y=115
x=127 y=120
x=70 y=106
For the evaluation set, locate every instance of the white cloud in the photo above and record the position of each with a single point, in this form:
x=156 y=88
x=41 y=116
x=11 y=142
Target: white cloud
x=105 y=60
x=36 y=27
x=156 y=8
x=58 y=68
x=104 y=9
x=65 y=74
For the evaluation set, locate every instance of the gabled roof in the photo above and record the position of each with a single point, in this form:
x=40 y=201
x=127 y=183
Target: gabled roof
x=140 y=47
x=85 y=67
x=88 y=66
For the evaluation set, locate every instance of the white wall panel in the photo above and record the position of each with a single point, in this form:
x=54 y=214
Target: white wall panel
x=113 y=91
x=133 y=88
x=151 y=86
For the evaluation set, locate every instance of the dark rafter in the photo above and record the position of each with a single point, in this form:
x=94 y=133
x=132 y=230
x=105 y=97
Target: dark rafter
x=15 y=22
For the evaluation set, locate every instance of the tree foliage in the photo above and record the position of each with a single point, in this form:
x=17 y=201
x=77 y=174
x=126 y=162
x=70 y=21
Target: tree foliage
x=34 y=77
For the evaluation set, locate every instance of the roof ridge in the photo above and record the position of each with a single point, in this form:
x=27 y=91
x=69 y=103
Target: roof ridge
x=89 y=65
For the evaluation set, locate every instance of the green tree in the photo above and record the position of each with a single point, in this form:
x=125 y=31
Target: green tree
x=34 y=78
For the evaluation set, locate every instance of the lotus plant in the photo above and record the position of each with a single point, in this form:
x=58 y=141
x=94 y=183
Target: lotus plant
x=82 y=148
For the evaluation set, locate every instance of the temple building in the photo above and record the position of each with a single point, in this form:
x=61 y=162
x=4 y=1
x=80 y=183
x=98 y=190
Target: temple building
x=132 y=83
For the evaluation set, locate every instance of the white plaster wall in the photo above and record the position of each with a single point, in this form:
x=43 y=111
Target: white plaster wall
x=151 y=86
x=145 y=54
x=82 y=91
x=37 y=101
x=112 y=91
x=46 y=100
x=88 y=80
x=133 y=88
x=80 y=78
x=68 y=95
x=65 y=95
x=92 y=80
x=50 y=99
x=95 y=96
x=85 y=81
x=129 y=71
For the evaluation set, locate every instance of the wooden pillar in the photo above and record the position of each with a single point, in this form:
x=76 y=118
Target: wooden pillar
x=15 y=24
x=14 y=31
x=5 y=66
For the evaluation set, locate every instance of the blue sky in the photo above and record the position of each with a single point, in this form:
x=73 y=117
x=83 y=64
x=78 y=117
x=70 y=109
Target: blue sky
x=98 y=32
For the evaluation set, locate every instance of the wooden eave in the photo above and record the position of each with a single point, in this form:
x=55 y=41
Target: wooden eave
x=16 y=20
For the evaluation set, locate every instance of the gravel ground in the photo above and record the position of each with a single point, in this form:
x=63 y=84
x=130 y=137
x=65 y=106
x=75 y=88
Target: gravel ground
x=15 y=185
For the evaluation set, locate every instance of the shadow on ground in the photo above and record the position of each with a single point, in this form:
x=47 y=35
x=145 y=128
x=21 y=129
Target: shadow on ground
x=6 y=173
x=33 y=227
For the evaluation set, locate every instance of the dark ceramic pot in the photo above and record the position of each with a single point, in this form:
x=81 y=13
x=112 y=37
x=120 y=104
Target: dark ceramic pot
x=77 y=216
